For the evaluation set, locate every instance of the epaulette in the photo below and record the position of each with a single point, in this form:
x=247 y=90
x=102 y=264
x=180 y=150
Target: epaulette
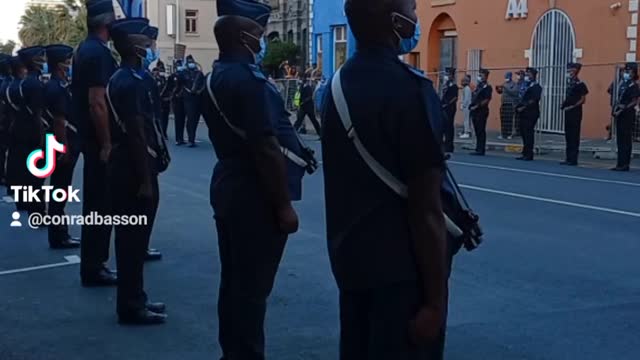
x=257 y=72
x=416 y=72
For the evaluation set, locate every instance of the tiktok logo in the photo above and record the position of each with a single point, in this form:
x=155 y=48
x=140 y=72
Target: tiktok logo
x=51 y=147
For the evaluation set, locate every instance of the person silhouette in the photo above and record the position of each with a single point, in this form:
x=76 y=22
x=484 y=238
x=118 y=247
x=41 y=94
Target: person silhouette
x=16 y=219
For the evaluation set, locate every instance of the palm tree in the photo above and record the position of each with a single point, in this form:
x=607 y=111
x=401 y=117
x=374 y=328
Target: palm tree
x=64 y=24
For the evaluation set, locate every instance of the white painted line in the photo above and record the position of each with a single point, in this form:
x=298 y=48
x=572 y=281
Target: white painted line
x=70 y=260
x=564 y=176
x=552 y=201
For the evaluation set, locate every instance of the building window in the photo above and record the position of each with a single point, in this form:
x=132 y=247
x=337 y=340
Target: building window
x=191 y=21
x=319 y=51
x=339 y=46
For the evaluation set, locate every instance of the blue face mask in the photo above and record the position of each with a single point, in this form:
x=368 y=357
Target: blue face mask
x=407 y=45
x=263 y=51
x=45 y=68
x=191 y=66
x=149 y=58
x=626 y=76
x=180 y=68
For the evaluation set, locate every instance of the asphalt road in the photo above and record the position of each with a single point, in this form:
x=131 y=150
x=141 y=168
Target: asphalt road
x=556 y=279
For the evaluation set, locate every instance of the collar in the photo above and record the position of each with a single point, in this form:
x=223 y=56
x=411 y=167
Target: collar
x=138 y=73
x=62 y=81
x=96 y=38
x=236 y=58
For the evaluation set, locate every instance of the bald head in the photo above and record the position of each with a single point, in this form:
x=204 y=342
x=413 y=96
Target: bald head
x=234 y=33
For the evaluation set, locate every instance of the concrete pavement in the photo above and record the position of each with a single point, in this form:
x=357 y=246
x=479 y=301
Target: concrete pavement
x=556 y=278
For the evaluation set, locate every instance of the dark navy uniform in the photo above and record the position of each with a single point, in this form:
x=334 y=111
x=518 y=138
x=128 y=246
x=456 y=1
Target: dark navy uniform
x=397 y=115
x=58 y=105
x=307 y=109
x=137 y=150
x=628 y=93
x=529 y=110
x=250 y=240
x=93 y=66
x=162 y=83
x=193 y=86
x=5 y=79
x=179 y=112
x=573 y=117
x=480 y=114
x=449 y=107
x=27 y=131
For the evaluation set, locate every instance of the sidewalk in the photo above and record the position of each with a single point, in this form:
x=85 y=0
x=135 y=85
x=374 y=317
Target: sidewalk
x=546 y=143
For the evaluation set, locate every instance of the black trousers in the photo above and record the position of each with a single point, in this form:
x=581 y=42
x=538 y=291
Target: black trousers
x=480 y=128
x=94 y=249
x=131 y=241
x=18 y=174
x=507 y=114
x=527 y=130
x=61 y=179
x=624 y=134
x=164 y=117
x=179 y=117
x=192 y=107
x=572 y=125
x=251 y=247
x=374 y=325
x=449 y=129
x=307 y=110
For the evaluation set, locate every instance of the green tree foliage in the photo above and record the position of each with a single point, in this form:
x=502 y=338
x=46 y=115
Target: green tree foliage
x=64 y=24
x=7 y=47
x=279 y=51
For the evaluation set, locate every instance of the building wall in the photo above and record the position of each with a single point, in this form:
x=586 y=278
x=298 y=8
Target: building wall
x=202 y=45
x=601 y=42
x=327 y=14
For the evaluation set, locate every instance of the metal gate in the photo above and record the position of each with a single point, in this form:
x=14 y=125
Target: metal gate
x=552 y=48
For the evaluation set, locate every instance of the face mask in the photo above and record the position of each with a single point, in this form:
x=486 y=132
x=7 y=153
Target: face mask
x=180 y=68
x=259 y=56
x=626 y=76
x=141 y=53
x=70 y=72
x=191 y=66
x=150 y=57
x=408 y=44
x=446 y=78
x=480 y=79
x=507 y=80
x=527 y=79
x=45 y=68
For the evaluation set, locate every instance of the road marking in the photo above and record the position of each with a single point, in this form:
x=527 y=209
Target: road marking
x=70 y=260
x=543 y=173
x=552 y=201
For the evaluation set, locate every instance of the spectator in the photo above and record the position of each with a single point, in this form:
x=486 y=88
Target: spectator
x=509 y=91
x=467 y=95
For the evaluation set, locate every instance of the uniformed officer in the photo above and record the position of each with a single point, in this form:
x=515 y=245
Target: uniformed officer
x=5 y=80
x=193 y=87
x=132 y=168
x=480 y=110
x=12 y=100
x=576 y=96
x=93 y=66
x=159 y=74
x=306 y=109
x=449 y=101
x=529 y=111
x=154 y=88
x=625 y=115
x=179 y=112
x=388 y=253
x=253 y=184
x=27 y=131
x=64 y=127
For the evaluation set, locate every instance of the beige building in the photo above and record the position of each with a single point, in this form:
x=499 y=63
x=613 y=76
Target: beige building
x=188 y=23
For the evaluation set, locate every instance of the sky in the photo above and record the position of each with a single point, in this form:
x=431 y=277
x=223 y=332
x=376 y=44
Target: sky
x=10 y=12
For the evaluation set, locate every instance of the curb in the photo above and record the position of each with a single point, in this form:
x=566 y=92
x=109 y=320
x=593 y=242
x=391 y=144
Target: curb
x=598 y=152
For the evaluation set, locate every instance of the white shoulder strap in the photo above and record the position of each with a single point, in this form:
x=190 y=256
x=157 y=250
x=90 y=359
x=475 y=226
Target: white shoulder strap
x=242 y=134
x=343 y=112
x=383 y=174
x=8 y=95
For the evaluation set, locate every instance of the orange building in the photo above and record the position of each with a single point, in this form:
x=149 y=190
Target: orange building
x=507 y=35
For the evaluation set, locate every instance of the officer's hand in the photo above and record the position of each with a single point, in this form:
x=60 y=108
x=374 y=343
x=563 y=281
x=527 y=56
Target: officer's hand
x=145 y=191
x=105 y=152
x=427 y=325
x=287 y=219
